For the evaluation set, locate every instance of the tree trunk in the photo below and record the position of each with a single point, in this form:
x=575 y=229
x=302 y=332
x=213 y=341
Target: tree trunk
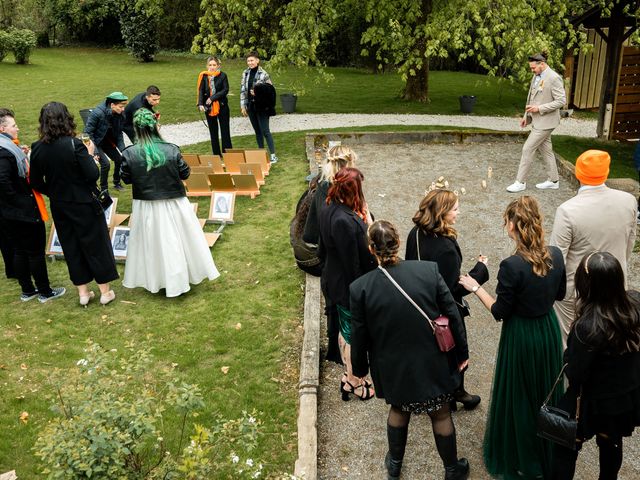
x=417 y=86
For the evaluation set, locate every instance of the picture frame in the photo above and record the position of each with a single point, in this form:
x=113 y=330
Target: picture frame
x=53 y=246
x=120 y=241
x=222 y=206
x=109 y=213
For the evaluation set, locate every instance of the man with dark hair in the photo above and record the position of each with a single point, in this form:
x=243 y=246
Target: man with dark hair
x=546 y=98
x=23 y=212
x=104 y=126
x=148 y=99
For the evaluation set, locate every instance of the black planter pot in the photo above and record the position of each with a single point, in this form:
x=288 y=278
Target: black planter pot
x=288 y=102
x=466 y=103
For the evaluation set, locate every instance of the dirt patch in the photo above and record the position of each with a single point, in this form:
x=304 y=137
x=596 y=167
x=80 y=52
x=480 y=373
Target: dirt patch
x=352 y=435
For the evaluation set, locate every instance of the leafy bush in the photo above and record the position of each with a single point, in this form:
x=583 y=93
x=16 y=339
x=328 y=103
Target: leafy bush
x=140 y=34
x=5 y=44
x=23 y=41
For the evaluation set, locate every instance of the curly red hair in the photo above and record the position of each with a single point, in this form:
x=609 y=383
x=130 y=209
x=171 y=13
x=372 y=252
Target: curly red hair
x=347 y=189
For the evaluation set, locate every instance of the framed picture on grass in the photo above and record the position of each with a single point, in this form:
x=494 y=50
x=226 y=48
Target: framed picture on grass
x=120 y=241
x=109 y=213
x=54 y=246
x=222 y=206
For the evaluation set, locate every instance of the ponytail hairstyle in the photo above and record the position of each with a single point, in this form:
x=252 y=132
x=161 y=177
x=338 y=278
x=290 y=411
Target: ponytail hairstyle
x=145 y=125
x=337 y=157
x=606 y=315
x=347 y=189
x=524 y=214
x=384 y=242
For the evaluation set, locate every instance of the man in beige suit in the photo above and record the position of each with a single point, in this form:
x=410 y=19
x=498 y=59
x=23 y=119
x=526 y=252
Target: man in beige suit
x=598 y=218
x=546 y=98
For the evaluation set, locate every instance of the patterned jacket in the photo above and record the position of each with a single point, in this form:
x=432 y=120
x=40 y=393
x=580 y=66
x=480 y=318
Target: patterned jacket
x=261 y=77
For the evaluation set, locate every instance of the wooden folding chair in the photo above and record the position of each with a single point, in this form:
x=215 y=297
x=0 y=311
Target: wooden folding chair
x=258 y=156
x=191 y=159
x=232 y=162
x=246 y=185
x=197 y=185
x=221 y=182
x=254 y=169
x=214 y=161
x=234 y=150
x=206 y=169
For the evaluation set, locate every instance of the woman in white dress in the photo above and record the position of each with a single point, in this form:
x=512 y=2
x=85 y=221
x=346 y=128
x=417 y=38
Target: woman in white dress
x=167 y=247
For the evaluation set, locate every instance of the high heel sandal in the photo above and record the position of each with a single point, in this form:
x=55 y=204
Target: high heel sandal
x=365 y=387
x=85 y=299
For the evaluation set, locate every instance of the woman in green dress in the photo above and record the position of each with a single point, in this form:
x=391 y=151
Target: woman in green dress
x=530 y=350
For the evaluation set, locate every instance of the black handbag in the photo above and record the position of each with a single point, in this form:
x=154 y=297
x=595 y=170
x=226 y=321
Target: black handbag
x=555 y=424
x=103 y=198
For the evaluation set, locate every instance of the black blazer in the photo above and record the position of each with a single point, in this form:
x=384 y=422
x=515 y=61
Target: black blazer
x=16 y=198
x=344 y=250
x=445 y=251
x=521 y=292
x=221 y=84
x=64 y=170
x=390 y=337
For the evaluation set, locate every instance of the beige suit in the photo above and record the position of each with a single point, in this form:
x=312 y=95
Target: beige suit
x=597 y=218
x=549 y=96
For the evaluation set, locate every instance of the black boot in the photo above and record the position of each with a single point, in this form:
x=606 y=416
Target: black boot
x=461 y=395
x=564 y=463
x=397 y=438
x=610 y=453
x=454 y=468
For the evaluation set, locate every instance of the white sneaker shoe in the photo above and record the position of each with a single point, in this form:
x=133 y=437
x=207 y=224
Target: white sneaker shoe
x=516 y=187
x=273 y=159
x=548 y=184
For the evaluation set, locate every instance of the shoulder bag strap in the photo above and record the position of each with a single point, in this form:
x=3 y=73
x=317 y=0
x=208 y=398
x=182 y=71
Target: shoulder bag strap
x=408 y=297
x=546 y=400
x=418 y=241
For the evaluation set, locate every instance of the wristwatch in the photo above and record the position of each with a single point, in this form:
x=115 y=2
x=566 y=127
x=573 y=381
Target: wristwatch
x=475 y=288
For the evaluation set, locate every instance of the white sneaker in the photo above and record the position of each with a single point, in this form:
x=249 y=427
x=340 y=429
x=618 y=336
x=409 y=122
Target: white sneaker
x=516 y=187
x=273 y=159
x=548 y=184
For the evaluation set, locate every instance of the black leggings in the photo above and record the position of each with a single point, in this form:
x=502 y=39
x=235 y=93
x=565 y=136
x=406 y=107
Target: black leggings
x=221 y=120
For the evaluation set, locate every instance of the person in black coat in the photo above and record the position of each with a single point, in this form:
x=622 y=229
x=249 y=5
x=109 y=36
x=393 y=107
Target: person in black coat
x=343 y=249
x=393 y=339
x=104 y=127
x=434 y=239
x=22 y=216
x=64 y=169
x=147 y=99
x=603 y=364
x=213 y=88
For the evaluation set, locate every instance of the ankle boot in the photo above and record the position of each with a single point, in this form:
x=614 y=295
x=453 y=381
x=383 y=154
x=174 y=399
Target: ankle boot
x=610 y=453
x=465 y=398
x=454 y=468
x=397 y=438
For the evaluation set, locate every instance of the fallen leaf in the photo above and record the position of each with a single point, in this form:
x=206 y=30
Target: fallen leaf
x=18 y=327
x=249 y=264
x=462 y=190
x=49 y=320
x=382 y=195
x=104 y=317
x=484 y=184
x=238 y=326
x=3 y=366
x=489 y=172
x=225 y=370
x=24 y=417
x=257 y=282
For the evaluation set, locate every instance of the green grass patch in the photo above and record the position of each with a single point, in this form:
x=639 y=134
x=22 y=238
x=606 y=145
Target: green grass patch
x=621 y=153
x=81 y=77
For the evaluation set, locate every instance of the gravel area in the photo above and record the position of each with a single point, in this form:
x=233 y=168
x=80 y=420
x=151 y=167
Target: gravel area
x=195 y=132
x=352 y=435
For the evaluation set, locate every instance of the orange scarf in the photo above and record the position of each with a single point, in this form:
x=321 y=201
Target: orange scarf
x=215 y=105
x=42 y=208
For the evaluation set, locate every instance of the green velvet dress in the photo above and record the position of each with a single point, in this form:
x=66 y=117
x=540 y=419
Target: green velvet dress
x=529 y=360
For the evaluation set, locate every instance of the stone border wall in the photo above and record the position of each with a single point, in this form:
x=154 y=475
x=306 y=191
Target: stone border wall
x=307 y=463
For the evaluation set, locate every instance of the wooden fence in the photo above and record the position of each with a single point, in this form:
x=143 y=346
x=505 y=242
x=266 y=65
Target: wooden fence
x=625 y=122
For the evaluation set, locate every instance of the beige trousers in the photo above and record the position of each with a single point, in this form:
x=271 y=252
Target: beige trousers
x=538 y=140
x=565 y=311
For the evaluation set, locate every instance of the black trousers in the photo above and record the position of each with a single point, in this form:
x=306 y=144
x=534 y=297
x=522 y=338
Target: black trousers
x=260 y=123
x=6 y=247
x=29 y=241
x=84 y=237
x=106 y=152
x=222 y=121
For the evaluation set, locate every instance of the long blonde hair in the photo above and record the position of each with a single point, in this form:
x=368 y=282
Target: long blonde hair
x=337 y=157
x=524 y=214
x=433 y=208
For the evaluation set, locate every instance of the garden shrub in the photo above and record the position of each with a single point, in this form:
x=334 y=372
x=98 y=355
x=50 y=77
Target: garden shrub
x=140 y=34
x=5 y=44
x=23 y=41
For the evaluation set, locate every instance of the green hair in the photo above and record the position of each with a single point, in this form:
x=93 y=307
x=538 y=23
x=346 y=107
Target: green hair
x=147 y=138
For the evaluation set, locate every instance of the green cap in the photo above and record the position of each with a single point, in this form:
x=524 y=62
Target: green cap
x=118 y=96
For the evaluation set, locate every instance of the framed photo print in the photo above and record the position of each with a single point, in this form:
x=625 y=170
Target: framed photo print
x=120 y=241
x=222 y=205
x=109 y=213
x=54 y=246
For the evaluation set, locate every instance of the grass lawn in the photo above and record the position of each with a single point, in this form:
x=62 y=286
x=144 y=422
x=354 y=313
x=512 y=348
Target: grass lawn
x=82 y=77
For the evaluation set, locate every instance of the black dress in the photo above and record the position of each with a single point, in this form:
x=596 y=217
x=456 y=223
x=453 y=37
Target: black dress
x=392 y=339
x=65 y=172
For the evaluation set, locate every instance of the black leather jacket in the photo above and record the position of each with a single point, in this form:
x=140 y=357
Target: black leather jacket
x=159 y=183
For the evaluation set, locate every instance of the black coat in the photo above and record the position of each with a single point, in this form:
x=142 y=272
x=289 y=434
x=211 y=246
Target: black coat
x=392 y=339
x=159 y=183
x=264 y=98
x=63 y=170
x=344 y=250
x=445 y=251
x=16 y=198
x=311 y=232
x=221 y=84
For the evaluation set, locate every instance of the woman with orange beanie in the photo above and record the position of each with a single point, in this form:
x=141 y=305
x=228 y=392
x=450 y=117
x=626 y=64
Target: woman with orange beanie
x=213 y=87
